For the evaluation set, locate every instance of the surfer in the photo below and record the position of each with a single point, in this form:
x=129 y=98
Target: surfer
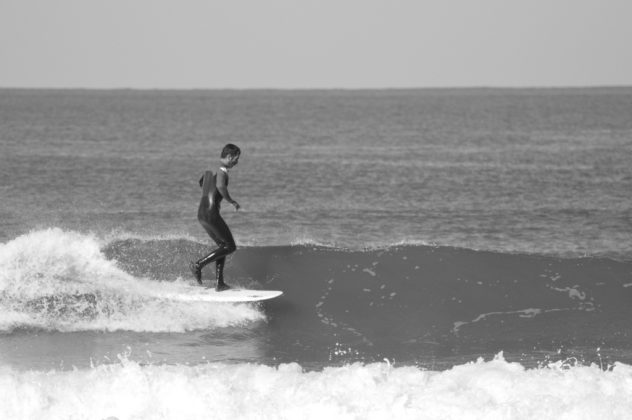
x=214 y=190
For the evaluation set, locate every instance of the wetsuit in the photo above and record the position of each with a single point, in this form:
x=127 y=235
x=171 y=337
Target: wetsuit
x=213 y=223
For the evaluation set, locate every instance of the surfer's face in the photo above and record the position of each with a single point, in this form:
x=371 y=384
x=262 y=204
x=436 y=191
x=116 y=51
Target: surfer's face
x=232 y=160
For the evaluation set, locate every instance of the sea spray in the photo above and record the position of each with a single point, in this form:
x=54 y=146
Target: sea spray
x=493 y=389
x=60 y=280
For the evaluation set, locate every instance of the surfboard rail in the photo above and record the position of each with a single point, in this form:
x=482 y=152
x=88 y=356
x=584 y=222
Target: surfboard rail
x=230 y=295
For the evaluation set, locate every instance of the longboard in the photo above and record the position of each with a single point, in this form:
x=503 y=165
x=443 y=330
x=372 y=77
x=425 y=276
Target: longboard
x=230 y=295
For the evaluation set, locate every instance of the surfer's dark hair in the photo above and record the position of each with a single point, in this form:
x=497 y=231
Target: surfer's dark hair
x=230 y=149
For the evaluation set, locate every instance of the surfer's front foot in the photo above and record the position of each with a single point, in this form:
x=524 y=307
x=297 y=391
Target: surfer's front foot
x=222 y=286
x=197 y=271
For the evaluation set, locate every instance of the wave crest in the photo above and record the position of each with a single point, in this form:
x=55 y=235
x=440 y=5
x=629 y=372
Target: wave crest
x=60 y=280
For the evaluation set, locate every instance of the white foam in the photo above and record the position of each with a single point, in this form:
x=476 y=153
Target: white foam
x=121 y=235
x=483 y=390
x=522 y=313
x=60 y=280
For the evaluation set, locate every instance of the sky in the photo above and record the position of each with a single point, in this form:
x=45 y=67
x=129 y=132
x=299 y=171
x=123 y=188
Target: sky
x=241 y=44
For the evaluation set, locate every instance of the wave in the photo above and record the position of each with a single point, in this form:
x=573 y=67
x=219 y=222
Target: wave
x=59 y=280
x=480 y=390
x=403 y=302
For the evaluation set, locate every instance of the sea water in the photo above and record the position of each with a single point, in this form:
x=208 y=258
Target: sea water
x=459 y=253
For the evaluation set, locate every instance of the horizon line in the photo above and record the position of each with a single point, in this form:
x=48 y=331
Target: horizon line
x=482 y=87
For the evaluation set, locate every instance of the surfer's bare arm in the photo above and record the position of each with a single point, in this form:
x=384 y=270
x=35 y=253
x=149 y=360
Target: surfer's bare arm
x=222 y=187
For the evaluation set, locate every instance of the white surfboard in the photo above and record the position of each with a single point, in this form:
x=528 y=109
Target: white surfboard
x=230 y=295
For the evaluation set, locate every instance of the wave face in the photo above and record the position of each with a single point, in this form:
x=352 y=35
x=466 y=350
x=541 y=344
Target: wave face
x=415 y=304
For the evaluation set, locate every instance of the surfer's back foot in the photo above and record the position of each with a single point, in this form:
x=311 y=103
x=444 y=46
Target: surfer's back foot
x=197 y=271
x=221 y=286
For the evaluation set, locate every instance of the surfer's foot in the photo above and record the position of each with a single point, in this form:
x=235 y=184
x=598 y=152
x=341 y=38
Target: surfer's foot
x=197 y=271
x=222 y=286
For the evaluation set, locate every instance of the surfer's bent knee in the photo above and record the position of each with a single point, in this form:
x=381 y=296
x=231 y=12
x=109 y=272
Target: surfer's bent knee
x=230 y=247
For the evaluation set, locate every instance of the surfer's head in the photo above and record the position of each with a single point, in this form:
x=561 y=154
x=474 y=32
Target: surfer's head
x=230 y=155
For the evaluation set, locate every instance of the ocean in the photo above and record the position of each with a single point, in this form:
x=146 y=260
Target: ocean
x=444 y=254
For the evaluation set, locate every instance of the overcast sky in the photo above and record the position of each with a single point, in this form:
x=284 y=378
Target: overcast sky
x=314 y=43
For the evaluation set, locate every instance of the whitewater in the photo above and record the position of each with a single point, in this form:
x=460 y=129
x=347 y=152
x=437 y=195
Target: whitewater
x=494 y=389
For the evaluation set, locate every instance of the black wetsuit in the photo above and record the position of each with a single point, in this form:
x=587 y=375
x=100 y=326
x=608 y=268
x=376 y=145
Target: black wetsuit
x=215 y=226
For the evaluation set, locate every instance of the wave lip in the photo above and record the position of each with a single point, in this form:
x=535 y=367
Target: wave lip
x=62 y=281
